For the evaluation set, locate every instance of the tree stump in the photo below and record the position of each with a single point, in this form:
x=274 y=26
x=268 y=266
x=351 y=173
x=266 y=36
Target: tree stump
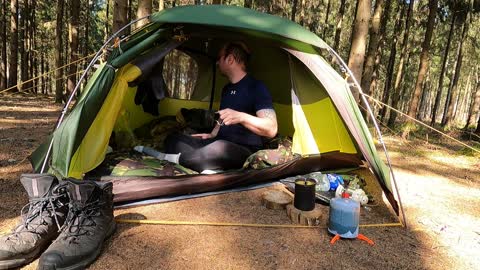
x=308 y=218
x=276 y=199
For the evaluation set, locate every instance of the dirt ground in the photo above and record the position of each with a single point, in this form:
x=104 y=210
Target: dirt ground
x=439 y=188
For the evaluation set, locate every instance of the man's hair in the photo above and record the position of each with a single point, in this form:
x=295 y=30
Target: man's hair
x=239 y=51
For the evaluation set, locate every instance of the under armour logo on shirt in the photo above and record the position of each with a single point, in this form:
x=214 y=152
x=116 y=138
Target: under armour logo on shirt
x=232 y=92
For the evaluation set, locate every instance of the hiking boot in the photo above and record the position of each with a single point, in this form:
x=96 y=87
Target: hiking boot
x=89 y=222
x=47 y=209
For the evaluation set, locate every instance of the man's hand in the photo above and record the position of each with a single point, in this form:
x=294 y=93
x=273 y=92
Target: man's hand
x=231 y=117
x=202 y=135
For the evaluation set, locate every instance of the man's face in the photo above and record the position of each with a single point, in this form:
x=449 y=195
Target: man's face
x=222 y=61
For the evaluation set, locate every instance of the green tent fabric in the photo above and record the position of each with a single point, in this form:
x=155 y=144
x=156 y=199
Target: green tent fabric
x=313 y=102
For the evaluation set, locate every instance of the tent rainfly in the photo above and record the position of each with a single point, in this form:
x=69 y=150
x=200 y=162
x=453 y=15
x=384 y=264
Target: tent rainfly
x=313 y=102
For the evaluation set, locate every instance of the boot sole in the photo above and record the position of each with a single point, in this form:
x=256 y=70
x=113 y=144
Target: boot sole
x=86 y=262
x=30 y=257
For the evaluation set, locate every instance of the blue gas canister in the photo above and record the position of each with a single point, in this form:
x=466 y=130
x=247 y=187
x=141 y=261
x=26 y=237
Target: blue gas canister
x=344 y=217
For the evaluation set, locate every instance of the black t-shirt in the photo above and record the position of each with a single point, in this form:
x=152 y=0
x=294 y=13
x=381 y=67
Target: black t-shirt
x=249 y=96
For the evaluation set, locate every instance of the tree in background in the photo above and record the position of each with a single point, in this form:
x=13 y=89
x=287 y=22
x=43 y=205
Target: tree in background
x=359 y=42
x=58 y=53
x=404 y=54
x=120 y=13
x=373 y=45
x=73 y=39
x=12 y=68
x=424 y=61
x=144 y=9
x=3 y=45
x=449 y=105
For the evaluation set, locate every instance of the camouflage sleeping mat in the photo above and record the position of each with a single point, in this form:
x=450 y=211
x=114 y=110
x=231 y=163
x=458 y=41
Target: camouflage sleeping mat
x=132 y=163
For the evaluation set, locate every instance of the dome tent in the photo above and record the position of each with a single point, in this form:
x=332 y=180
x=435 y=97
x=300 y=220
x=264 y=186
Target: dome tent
x=313 y=102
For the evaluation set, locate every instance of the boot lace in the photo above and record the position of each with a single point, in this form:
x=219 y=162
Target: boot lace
x=42 y=208
x=81 y=219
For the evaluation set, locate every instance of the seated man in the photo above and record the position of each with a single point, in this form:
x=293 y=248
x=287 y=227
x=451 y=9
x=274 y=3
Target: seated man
x=246 y=114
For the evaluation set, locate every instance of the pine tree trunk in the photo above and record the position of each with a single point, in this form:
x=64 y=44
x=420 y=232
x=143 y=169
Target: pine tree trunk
x=33 y=45
x=401 y=64
x=391 y=64
x=73 y=39
x=86 y=39
x=477 y=131
x=249 y=3
x=58 y=53
x=424 y=58
x=423 y=100
x=448 y=117
x=294 y=9
x=442 y=71
x=474 y=107
x=359 y=42
x=12 y=68
x=326 y=25
x=21 y=43
x=372 y=47
x=144 y=9
x=3 y=46
x=381 y=46
x=42 y=71
x=120 y=13
x=338 y=24
x=107 y=25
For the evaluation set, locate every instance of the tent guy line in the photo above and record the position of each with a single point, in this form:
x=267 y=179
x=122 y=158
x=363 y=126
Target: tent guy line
x=421 y=123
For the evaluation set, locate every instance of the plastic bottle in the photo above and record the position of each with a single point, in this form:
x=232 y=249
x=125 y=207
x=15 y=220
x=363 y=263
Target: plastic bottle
x=323 y=184
x=356 y=194
x=335 y=180
x=344 y=216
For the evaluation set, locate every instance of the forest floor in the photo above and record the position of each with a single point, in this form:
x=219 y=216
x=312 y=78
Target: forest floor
x=438 y=183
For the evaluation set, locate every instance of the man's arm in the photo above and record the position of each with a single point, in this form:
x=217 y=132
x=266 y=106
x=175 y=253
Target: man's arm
x=264 y=124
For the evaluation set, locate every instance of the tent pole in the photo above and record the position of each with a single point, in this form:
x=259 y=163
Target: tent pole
x=65 y=108
x=377 y=128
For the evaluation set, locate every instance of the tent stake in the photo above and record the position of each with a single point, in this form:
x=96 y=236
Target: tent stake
x=65 y=108
x=377 y=128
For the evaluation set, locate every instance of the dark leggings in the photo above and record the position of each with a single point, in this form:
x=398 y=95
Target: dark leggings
x=210 y=154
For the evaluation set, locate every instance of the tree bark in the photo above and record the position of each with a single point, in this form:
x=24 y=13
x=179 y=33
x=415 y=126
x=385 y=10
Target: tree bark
x=12 y=68
x=58 y=53
x=338 y=24
x=326 y=25
x=372 y=47
x=448 y=117
x=120 y=13
x=144 y=9
x=474 y=107
x=3 y=45
x=33 y=45
x=424 y=57
x=22 y=43
x=86 y=39
x=73 y=39
x=401 y=64
x=107 y=25
x=391 y=65
x=381 y=46
x=442 y=71
x=294 y=9
x=359 y=42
